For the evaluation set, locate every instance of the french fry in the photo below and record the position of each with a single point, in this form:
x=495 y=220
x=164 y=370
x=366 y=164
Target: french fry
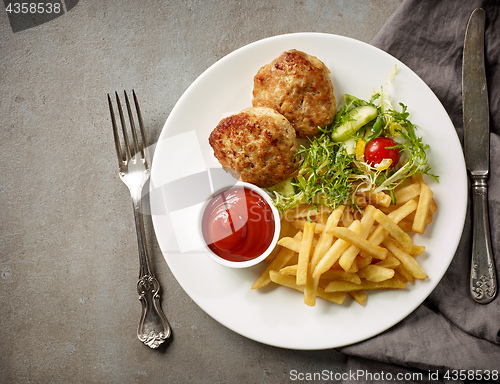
x=335 y=251
x=417 y=250
x=403 y=274
x=389 y=262
x=417 y=178
x=353 y=238
x=350 y=254
x=358 y=296
x=353 y=268
x=411 y=217
x=424 y=202
x=325 y=241
x=407 y=260
x=359 y=200
x=283 y=256
x=409 y=192
x=400 y=277
x=311 y=291
x=347 y=218
x=380 y=233
x=376 y=273
x=347 y=258
x=292 y=243
x=305 y=253
x=376 y=198
x=285 y=228
x=332 y=274
x=363 y=261
x=290 y=282
x=324 y=213
x=388 y=209
x=294 y=260
x=406 y=225
x=301 y=224
x=344 y=286
x=401 y=212
x=432 y=207
x=335 y=297
x=288 y=270
x=383 y=199
x=396 y=232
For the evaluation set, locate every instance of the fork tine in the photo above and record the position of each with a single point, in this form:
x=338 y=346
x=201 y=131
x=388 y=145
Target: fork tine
x=124 y=128
x=115 y=132
x=141 y=122
x=132 y=125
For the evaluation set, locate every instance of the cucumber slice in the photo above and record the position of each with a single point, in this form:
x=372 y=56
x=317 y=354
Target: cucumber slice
x=361 y=116
x=284 y=187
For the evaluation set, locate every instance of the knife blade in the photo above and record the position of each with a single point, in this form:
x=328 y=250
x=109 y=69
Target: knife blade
x=483 y=281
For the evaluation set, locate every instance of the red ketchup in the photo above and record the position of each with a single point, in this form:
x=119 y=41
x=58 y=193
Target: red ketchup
x=238 y=224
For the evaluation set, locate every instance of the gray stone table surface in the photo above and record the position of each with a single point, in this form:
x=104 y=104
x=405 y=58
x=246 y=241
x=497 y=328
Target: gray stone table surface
x=69 y=307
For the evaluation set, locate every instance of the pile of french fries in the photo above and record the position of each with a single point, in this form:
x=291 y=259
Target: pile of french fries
x=334 y=253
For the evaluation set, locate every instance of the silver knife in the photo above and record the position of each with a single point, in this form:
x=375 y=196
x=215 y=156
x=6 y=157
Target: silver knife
x=483 y=281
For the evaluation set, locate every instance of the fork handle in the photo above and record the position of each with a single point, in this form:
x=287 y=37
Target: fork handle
x=153 y=327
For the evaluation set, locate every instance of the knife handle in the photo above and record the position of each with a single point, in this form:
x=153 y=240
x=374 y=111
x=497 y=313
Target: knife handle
x=483 y=281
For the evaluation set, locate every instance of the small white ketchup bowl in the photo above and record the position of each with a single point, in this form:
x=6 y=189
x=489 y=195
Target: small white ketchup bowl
x=240 y=226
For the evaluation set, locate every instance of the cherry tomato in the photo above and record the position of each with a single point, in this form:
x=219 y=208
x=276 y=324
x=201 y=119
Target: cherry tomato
x=379 y=149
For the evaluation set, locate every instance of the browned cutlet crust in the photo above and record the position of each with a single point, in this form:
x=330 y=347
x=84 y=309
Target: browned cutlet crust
x=298 y=86
x=257 y=145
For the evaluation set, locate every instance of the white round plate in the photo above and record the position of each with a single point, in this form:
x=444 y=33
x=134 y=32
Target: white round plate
x=184 y=168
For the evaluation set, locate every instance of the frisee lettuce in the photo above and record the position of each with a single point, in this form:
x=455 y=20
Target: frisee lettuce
x=324 y=177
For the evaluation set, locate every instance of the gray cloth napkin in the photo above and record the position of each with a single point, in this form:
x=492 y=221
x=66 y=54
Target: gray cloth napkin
x=449 y=331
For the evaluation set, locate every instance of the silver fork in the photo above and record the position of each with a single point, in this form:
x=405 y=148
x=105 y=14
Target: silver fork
x=134 y=171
